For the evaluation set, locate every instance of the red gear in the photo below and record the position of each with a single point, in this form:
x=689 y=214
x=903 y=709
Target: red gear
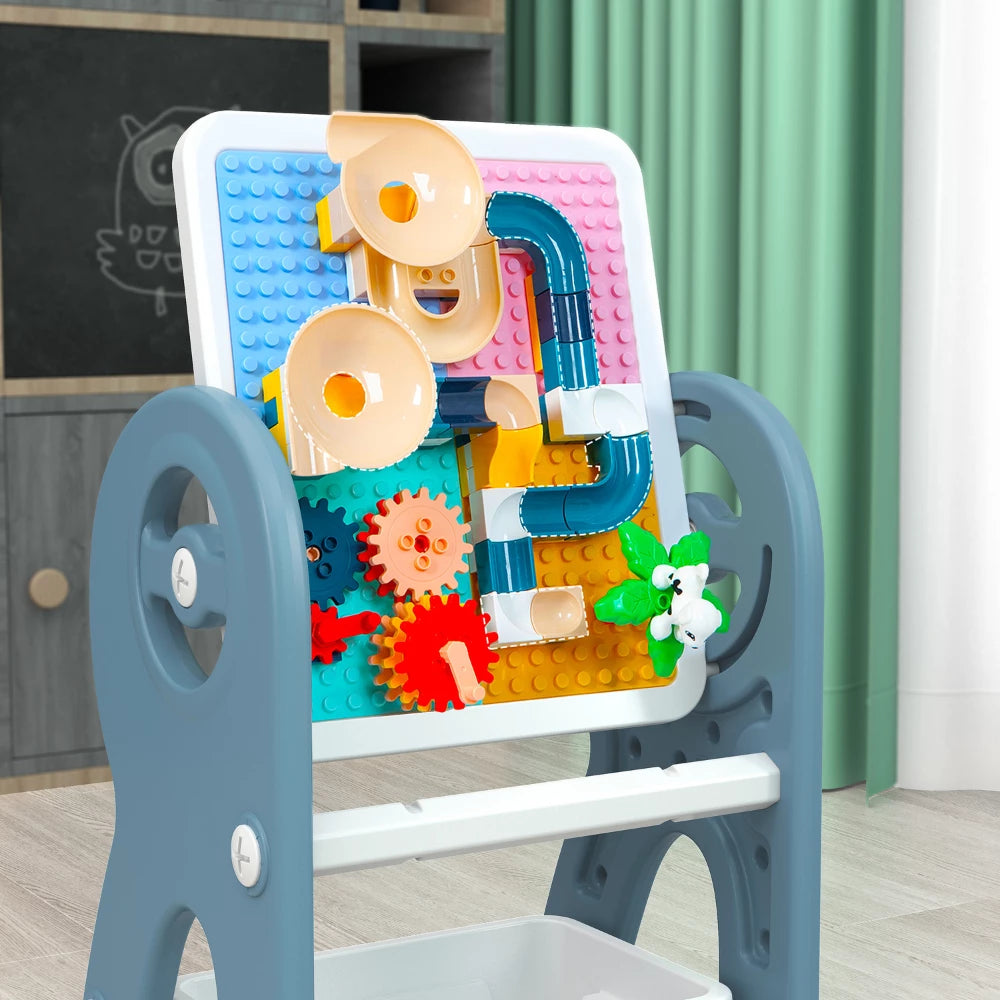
x=330 y=632
x=410 y=651
x=372 y=573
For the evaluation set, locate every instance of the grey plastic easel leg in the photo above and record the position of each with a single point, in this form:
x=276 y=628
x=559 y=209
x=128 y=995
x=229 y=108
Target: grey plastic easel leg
x=765 y=866
x=194 y=757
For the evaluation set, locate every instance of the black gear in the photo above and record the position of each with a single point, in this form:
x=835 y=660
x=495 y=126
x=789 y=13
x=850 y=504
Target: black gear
x=332 y=550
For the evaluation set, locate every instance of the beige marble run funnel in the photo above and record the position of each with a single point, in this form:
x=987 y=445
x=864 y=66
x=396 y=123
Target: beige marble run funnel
x=408 y=188
x=356 y=389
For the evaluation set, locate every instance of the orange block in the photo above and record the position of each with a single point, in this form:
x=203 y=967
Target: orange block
x=536 y=340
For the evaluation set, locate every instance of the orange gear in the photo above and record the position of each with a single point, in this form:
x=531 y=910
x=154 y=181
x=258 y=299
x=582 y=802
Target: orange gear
x=435 y=652
x=415 y=545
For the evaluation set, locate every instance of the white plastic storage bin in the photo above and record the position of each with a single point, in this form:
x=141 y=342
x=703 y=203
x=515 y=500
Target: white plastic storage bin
x=536 y=958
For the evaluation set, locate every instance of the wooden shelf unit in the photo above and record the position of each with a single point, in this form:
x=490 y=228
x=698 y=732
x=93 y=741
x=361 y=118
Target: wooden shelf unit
x=443 y=58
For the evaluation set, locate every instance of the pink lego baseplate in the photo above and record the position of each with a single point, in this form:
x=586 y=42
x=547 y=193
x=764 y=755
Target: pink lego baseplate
x=586 y=194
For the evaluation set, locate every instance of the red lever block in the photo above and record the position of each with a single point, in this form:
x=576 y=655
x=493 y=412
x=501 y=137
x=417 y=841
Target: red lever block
x=330 y=631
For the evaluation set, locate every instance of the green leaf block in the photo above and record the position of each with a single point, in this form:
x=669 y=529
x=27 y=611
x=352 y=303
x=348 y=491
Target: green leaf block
x=627 y=604
x=690 y=550
x=642 y=550
x=664 y=654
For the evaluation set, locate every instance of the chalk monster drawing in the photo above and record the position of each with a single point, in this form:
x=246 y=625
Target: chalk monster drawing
x=142 y=252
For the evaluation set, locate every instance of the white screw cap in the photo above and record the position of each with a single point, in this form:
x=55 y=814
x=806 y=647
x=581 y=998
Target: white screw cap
x=245 y=854
x=184 y=577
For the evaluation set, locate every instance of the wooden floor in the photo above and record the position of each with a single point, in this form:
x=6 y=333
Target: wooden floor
x=911 y=882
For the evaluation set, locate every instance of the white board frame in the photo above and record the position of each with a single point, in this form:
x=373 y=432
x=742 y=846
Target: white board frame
x=211 y=347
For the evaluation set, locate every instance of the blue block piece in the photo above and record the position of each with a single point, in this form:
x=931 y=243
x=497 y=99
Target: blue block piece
x=573 y=317
x=439 y=431
x=569 y=317
x=527 y=222
x=505 y=567
x=545 y=316
x=578 y=364
x=551 y=365
x=271 y=413
x=276 y=276
x=462 y=402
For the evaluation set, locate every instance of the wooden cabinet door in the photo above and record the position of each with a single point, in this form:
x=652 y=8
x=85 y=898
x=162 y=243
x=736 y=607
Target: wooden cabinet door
x=54 y=466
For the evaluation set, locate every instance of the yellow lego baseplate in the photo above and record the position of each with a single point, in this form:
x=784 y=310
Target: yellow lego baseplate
x=610 y=657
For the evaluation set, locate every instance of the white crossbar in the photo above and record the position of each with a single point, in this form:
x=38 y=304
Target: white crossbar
x=354 y=839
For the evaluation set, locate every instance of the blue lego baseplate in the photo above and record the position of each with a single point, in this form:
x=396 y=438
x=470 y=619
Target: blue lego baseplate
x=276 y=275
x=347 y=688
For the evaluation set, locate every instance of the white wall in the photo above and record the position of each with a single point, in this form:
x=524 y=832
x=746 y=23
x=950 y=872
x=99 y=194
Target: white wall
x=949 y=676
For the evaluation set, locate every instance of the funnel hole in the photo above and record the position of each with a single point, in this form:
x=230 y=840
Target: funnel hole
x=398 y=201
x=344 y=395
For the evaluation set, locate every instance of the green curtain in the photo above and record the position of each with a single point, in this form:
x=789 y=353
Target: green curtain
x=770 y=136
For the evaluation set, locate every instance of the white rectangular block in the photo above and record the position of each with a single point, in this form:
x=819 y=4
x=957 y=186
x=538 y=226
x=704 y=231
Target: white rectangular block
x=510 y=617
x=585 y=414
x=496 y=514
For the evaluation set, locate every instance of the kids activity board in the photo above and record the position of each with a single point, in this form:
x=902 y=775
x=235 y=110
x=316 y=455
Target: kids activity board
x=739 y=775
x=455 y=339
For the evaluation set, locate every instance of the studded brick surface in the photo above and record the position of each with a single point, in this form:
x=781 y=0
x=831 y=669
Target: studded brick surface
x=586 y=195
x=610 y=657
x=276 y=276
x=347 y=688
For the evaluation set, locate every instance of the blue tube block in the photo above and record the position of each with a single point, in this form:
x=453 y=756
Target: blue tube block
x=565 y=317
x=626 y=465
x=505 y=567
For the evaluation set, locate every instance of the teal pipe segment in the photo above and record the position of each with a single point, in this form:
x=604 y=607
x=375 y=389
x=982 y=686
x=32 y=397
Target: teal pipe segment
x=534 y=225
x=626 y=465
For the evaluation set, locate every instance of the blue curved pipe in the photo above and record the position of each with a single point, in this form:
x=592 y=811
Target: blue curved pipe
x=626 y=465
x=561 y=284
x=539 y=228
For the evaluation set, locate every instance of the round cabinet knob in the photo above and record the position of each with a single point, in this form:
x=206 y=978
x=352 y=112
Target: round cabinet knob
x=48 y=588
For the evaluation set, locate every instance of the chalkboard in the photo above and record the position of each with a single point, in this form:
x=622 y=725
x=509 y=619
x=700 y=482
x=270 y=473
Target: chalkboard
x=91 y=273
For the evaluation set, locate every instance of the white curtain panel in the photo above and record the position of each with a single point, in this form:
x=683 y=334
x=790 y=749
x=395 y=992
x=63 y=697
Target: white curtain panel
x=949 y=641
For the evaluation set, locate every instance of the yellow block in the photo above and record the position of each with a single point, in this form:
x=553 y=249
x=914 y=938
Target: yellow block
x=337 y=233
x=271 y=386
x=505 y=457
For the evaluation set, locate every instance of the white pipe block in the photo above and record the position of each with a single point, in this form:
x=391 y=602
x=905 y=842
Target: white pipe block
x=585 y=414
x=510 y=617
x=496 y=514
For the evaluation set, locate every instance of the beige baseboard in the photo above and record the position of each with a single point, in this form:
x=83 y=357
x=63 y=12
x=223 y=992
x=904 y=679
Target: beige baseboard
x=54 y=779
